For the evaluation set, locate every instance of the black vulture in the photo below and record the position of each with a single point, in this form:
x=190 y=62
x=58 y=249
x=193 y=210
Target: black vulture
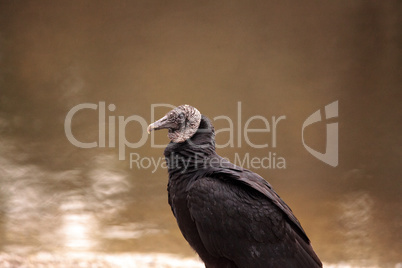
x=229 y=215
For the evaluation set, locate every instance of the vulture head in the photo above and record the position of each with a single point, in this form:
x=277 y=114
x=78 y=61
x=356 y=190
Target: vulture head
x=182 y=122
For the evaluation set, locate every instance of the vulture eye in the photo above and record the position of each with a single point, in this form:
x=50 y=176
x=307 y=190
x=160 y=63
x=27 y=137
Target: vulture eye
x=181 y=116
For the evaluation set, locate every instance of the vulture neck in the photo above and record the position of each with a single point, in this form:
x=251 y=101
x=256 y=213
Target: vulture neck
x=189 y=155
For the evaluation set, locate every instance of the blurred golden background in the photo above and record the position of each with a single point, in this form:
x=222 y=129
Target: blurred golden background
x=276 y=58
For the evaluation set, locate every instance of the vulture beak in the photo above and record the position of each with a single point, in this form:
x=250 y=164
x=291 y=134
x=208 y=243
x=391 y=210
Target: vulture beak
x=160 y=124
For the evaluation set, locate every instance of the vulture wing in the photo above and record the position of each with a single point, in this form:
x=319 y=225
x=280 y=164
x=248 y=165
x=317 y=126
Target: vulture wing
x=240 y=217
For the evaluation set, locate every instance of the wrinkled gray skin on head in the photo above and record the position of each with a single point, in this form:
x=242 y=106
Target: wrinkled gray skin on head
x=182 y=123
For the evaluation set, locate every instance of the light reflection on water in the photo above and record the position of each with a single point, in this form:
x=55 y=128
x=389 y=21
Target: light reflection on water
x=85 y=260
x=47 y=227
x=78 y=228
x=355 y=219
x=130 y=231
